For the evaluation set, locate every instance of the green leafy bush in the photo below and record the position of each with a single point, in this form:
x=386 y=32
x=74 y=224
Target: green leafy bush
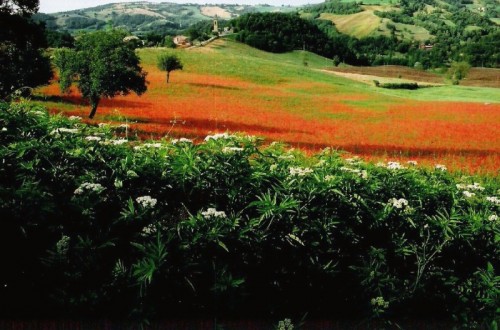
x=96 y=225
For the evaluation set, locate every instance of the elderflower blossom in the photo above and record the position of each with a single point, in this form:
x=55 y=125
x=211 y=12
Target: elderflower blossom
x=353 y=160
x=440 y=167
x=299 y=171
x=412 y=162
x=149 y=229
x=181 y=140
x=118 y=141
x=468 y=194
x=4 y=129
x=88 y=187
x=475 y=186
x=218 y=136
x=493 y=199
x=76 y=118
x=394 y=166
x=146 y=201
x=329 y=177
x=93 y=138
x=379 y=302
x=493 y=217
x=64 y=130
x=62 y=245
x=273 y=167
x=211 y=212
x=231 y=150
x=398 y=203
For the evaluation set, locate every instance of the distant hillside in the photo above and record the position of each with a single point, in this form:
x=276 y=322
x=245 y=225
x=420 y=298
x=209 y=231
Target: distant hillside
x=409 y=20
x=144 y=17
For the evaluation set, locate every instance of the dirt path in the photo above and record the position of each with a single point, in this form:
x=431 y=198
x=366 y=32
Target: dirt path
x=368 y=79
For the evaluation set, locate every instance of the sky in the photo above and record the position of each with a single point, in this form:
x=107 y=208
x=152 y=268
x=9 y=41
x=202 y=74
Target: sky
x=52 y=6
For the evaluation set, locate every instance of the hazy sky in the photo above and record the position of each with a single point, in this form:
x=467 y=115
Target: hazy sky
x=52 y=6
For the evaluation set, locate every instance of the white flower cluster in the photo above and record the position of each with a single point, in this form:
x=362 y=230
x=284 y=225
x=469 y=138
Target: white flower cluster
x=475 y=186
x=329 y=177
x=118 y=142
x=379 y=302
x=231 y=150
x=299 y=171
x=4 y=129
x=181 y=140
x=493 y=217
x=60 y=130
x=440 y=167
x=149 y=229
x=273 y=168
x=394 y=166
x=92 y=138
x=468 y=194
x=102 y=125
x=398 y=203
x=412 y=162
x=211 y=212
x=87 y=186
x=353 y=160
x=148 y=145
x=218 y=136
x=362 y=173
x=76 y=118
x=62 y=245
x=493 y=199
x=146 y=201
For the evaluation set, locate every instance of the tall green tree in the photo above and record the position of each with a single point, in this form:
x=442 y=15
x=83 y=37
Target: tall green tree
x=102 y=65
x=22 y=62
x=169 y=63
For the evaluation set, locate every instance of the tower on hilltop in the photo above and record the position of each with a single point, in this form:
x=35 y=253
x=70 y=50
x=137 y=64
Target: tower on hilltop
x=216 y=25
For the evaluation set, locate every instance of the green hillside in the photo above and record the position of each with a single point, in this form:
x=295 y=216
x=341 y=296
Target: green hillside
x=144 y=17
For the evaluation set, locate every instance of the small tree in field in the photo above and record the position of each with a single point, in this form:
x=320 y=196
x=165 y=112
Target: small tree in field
x=169 y=63
x=102 y=65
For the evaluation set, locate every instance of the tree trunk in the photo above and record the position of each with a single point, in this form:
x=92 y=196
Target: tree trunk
x=94 y=102
x=168 y=76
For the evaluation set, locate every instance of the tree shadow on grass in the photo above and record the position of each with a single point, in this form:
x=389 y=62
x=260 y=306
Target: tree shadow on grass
x=208 y=125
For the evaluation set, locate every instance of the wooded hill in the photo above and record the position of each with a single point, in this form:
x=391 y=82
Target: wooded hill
x=144 y=17
x=417 y=33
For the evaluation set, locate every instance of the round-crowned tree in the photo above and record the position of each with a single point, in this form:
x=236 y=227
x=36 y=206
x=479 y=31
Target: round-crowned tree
x=169 y=63
x=102 y=65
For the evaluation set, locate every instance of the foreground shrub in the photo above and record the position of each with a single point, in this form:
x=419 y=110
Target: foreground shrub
x=96 y=225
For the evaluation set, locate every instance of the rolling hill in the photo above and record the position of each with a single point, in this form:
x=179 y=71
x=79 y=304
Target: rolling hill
x=144 y=17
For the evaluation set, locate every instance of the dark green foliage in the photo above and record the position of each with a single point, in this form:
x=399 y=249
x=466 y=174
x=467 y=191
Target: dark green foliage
x=22 y=62
x=410 y=86
x=334 y=7
x=102 y=65
x=57 y=39
x=169 y=63
x=97 y=228
x=276 y=32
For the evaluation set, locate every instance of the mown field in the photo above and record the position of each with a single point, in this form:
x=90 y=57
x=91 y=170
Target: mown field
x=227 y=86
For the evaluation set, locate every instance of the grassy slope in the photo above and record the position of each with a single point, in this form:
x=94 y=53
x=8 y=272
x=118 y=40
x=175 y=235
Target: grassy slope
x=230 y=86
x=232 y=59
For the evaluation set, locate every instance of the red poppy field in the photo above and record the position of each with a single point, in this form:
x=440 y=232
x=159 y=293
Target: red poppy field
x=230 y=87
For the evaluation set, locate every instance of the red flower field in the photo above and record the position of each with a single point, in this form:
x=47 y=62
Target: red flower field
x=309 y=115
